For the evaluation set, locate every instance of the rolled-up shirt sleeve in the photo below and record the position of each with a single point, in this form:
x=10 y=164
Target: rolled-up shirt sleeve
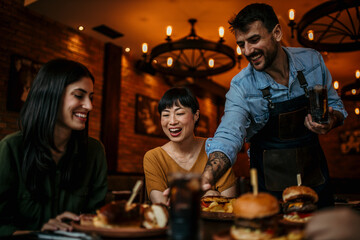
x=230 y=134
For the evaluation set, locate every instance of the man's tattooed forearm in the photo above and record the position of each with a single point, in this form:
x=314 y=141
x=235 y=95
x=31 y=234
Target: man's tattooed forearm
x=218 y=164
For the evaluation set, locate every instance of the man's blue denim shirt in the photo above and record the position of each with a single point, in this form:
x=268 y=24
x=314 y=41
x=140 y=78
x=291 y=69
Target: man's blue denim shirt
x=246 y=111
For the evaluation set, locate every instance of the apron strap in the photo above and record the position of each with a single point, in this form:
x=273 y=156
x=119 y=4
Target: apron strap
x=267 y=96
x=303 y=83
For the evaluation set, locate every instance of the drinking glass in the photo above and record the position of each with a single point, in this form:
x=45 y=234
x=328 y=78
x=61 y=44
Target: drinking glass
x=319 y=104
x=185 y=193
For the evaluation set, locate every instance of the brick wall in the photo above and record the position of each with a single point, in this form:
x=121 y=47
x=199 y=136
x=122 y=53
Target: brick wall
x=28 y=34
x=133 y=146
x=32 y=36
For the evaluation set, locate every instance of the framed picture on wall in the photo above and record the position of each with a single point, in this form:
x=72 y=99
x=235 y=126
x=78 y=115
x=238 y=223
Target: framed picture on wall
x=22 y=73
x=350 y=142
x=147 y=119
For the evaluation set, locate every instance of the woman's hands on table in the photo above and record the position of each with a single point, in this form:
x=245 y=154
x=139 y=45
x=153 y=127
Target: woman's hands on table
x=166 y=194
x=61 y=222
x=157 y=196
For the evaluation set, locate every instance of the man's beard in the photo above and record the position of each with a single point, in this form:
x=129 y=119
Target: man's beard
x=269 y=57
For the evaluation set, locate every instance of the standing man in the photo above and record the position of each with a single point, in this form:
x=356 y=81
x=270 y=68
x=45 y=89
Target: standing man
x=267 y=106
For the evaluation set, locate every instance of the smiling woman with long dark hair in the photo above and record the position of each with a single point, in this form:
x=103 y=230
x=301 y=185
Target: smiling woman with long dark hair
x=51 y=170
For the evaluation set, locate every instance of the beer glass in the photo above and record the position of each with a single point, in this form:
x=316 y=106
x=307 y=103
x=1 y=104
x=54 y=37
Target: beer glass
x=185 y=193
x=319 y=104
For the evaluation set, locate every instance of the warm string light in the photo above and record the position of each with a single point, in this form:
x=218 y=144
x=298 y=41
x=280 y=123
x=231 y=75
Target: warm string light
x=127 y=49
x=169 y=61
x=291 y=14
x=310 y=35
x=168 y=32
x=336 y=85
x=211 y=63
x=353 y=91
x=81 y=28
x=221 y=32
x=292 y=23
x=357 y=111
x=357 y=75
x=238 y=52
x=144 y=48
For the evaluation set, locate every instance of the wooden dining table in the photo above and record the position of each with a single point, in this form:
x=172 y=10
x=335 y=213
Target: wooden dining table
x=208 y=228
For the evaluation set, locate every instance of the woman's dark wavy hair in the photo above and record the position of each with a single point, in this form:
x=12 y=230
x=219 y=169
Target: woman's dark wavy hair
x=180 y=95
x=254 y=12
x=37 y=122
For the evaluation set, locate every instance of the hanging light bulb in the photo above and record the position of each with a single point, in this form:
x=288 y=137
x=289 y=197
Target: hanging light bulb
x=169 y=61
x=291 y=14
x=292 y=23
x=168 y=33
x=221 y=32
x=238 y=52
x=310 y=34
x=144 y=48
x=336 y=85
x=211 y=63
x=357 y=111
x=353 y=91
x=357 y=74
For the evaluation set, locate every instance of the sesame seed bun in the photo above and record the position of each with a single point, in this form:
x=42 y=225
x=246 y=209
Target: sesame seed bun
x=294 y=192
x=250 y=206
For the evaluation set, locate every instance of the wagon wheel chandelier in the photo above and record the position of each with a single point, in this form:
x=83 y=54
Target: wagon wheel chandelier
x=192 y=56
x=333 y=26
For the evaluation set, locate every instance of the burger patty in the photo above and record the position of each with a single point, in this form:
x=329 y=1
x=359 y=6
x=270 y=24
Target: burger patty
x=302 y=207
x=257 y=223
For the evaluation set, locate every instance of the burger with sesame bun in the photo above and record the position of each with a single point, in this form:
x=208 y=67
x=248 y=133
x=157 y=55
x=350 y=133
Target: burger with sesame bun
x=299 y=203
x=255 y=217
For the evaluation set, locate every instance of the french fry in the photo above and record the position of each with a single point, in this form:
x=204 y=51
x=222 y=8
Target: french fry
x=219 y=205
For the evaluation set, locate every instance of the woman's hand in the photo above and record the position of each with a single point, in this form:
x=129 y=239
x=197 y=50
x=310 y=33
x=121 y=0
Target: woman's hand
x=166 y=194
x=157 y=196
x=60 y=223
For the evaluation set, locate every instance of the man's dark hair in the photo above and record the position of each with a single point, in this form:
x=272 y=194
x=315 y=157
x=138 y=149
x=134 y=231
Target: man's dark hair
x=251 y=13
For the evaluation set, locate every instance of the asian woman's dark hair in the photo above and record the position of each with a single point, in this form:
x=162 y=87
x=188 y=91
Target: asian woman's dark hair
x=180 y=95
x=37 y=122
x=254 y=12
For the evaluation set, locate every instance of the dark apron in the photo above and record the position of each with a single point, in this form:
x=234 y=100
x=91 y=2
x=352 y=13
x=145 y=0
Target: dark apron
x=284 y=147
